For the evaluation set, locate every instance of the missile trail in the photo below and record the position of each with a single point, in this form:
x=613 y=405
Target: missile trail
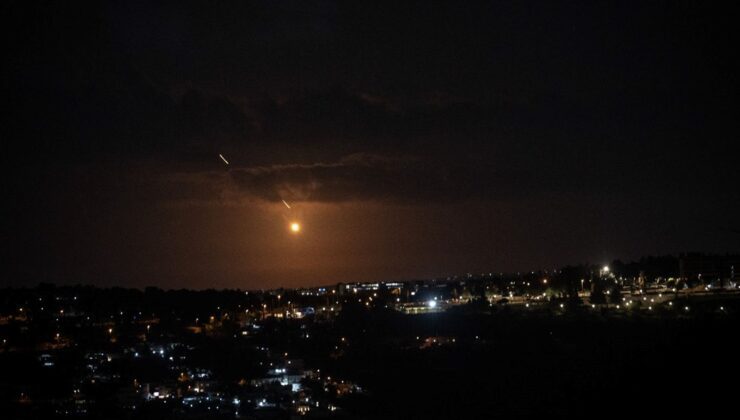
x=286 y=204
x=223 y=158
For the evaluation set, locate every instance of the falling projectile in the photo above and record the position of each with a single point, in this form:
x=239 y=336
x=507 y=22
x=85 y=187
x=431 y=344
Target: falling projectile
x=223 y=158
x=286 y=204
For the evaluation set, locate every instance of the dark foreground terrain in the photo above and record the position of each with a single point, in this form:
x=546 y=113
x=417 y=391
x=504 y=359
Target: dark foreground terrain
x=581 y=366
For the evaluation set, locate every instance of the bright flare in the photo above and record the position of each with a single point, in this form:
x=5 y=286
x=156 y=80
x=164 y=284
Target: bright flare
x=295 y=227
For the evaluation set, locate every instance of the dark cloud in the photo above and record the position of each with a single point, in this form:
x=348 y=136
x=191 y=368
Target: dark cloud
x=370 y=177
x=355 y=177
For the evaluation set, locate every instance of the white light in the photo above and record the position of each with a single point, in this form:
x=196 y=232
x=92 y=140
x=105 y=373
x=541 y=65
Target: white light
x=606 y=268
x=432 y=303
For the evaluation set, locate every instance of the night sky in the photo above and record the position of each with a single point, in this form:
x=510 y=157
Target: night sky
x=412 y=140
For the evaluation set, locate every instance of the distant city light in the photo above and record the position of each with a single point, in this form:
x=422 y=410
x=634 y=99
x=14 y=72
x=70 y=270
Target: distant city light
x=432 y=304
